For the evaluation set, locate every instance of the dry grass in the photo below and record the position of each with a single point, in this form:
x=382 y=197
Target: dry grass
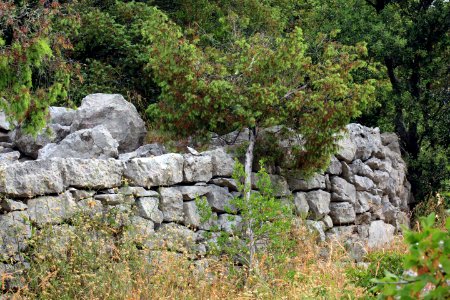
x=126 y=273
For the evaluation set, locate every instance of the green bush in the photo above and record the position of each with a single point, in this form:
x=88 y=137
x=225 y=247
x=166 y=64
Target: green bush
x=428 y=259
x=379 y=263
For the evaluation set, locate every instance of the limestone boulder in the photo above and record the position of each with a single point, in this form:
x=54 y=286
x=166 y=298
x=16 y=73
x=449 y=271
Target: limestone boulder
x=61 y=115
x=222 y=162
x=219 y=199
x=319 y=203
x=31 y=178
x=342 y=213
x=51 y=209
x=297 y=182
x=149 y=150
x=380 y=234
x=171 y=204
x=301 y=204
x=30 y=145
x=197 y=168
x=91 y=173
x=9 y=157
x=119 y=116
x=347 y=149
x=335 y=167
x=342 y=190
x=4 y=124
x=161 y=170
x=367 y=140
x=191 y=192
x=9 y=205
x=148 y=208
x=95 y=142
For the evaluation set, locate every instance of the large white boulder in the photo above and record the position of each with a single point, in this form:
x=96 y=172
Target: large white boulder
x=119 y=116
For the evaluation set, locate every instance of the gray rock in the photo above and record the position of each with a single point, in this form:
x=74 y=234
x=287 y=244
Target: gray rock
x=191 y=215
x=192 y=192
x=31 y=178
x=356 y=250
x=316 y=227
x=90 y=206
x=161 y=170
x=219 y=199
x=380 y=234
x=222 y=162
x=391 y=141
x=301 y=204
x=363 y=218
x=4 y=124
x=341 y=232
x=9 y=157
x=363 y=183
x=9 y=205
x=364 y=199
x=114 y=199
x=149 y=150
x=116 y=114
x=327 y=222
x=367 y=140
x=142 y=228
x=342 y=190
x=95 y=142
x=15 y=230
x=342 y=213
x=78 y=195
x=30 y=145
x=230 y=223
x=51 y=209
x=171 y=204
x=147 y=207
x=229 y=183
x=61 y=115
x=92 y=174
x=297 y=183
x=197 y=168
x=319 y=203
x=335 y=167
x=347 y=149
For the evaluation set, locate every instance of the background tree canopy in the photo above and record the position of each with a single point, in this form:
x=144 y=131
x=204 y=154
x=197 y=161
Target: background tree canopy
x=58 y=52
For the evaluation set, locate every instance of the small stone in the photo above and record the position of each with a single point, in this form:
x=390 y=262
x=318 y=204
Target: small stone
x=11 y=205
x=171 y=204
x=114 y=199
x=301 y=204
x=197 y=168
x=328 y=222
x=229 y=183
x=319 y=203
x=342 y=213
x=51 y=209
x=148 y=209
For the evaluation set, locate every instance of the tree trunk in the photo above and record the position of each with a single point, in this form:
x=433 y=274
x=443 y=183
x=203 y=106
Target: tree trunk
x=248 y=189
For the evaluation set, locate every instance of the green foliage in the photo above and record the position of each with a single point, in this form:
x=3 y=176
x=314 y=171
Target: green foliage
x=110 y=50
x=33 y=73
x=256 y=81
x=378 y=264
x=410 y=39
x=267 y=218
x=429 y=257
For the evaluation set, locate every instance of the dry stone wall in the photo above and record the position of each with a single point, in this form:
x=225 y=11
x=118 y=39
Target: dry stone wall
x=362 y=197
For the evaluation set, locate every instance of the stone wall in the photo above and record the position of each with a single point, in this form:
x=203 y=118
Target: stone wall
x=362 y=197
